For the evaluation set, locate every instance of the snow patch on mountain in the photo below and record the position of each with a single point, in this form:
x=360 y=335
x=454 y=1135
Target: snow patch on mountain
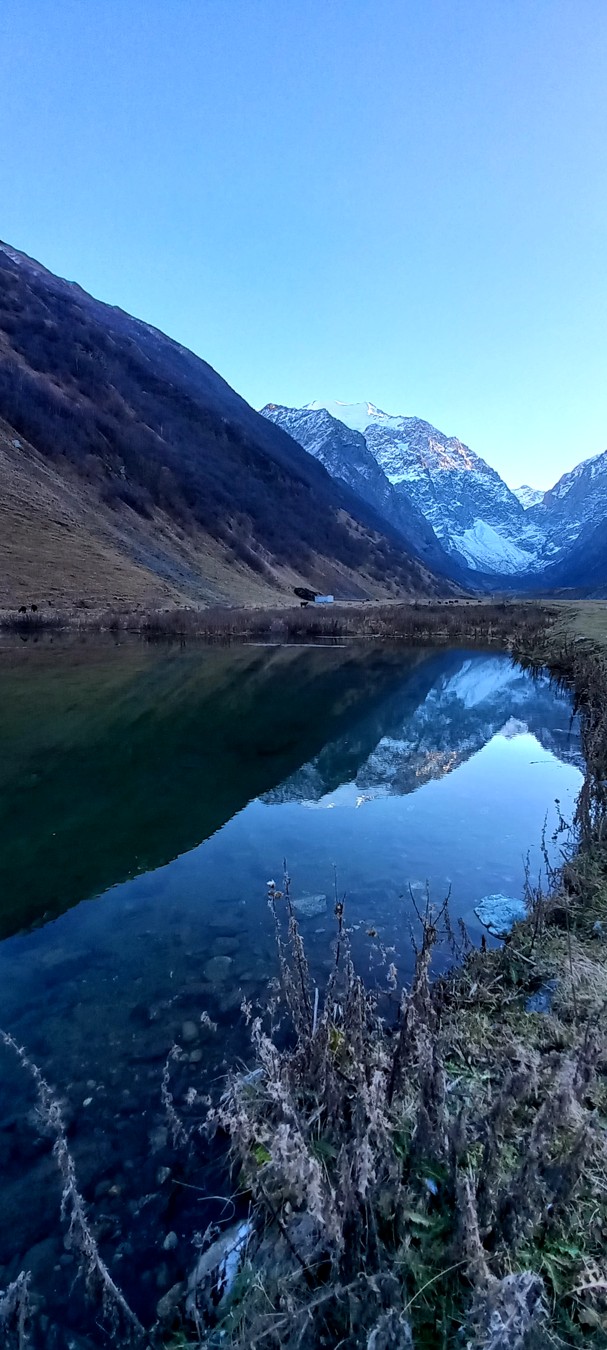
x=480 y=523
x=356 y=416
x=346 y=455
x=485 y=549
x=574 y=506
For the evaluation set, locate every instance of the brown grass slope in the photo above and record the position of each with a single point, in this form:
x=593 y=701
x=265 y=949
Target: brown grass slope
x=131 y=471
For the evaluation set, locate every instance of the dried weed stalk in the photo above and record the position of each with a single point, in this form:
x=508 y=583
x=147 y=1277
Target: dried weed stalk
x=15 y=1313
x=100 y=1286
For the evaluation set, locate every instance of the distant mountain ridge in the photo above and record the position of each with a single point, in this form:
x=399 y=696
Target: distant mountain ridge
x=493 y=535
x=120 y=446
x=576 y=503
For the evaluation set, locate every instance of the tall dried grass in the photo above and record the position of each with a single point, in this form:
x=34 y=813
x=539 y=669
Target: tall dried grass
x=407 y=1169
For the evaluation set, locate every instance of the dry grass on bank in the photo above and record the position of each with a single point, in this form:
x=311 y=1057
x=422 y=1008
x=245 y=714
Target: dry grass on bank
x=444 y=621
x=439 y=1178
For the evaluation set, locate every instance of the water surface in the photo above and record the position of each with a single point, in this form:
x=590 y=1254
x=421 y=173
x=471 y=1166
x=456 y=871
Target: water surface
x=146 y=797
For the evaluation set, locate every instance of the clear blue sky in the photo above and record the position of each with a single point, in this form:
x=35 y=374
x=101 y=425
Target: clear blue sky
x=396 y=200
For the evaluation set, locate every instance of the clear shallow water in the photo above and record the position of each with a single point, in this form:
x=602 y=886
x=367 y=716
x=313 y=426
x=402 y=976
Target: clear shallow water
x=145 y=798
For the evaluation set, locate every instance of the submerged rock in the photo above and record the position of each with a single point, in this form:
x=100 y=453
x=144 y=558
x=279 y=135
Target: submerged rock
x=226 y=945
x=218 y=969
x=168 y=1306
x=229 y=1000
x=158 y=1138
x=499 y=913
x=310 y=905
x=212 y=1279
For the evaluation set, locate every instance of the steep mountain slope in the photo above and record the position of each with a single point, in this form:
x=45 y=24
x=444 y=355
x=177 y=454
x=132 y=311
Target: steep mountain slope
x=583 y=567
x=475 y=516
x=578 y=502
x=194 y=494
x=62 y=543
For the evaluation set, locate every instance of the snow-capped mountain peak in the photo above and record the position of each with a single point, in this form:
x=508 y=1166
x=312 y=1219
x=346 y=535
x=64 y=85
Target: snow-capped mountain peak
x=528 y=496
x=576 y=504
x=588 y=470
x=477 y=519
x=356 y=416
x=414 y=474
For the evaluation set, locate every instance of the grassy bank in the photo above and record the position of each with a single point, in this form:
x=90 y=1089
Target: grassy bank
x=445 y=621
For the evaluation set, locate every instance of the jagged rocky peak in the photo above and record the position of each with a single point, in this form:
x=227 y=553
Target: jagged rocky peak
x=386 y=431
x=345 y=453
x=576 y=504
x=528 y=496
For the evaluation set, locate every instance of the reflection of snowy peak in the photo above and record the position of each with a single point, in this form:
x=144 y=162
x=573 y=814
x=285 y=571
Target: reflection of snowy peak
x=408 y=743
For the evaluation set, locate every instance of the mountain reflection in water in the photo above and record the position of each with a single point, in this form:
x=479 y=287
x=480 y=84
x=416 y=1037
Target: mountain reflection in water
x=115 y=761
x=397 y=748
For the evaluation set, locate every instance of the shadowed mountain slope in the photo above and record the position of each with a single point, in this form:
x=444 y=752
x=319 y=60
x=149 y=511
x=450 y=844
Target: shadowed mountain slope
x=188 y=491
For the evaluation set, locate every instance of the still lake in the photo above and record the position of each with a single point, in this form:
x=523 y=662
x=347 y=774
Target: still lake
x=146 y=797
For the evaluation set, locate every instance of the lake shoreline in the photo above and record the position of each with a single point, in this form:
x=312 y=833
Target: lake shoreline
x=485 y=621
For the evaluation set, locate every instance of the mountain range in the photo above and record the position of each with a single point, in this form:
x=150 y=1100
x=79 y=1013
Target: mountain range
x=130 y=472
x=491 y=534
